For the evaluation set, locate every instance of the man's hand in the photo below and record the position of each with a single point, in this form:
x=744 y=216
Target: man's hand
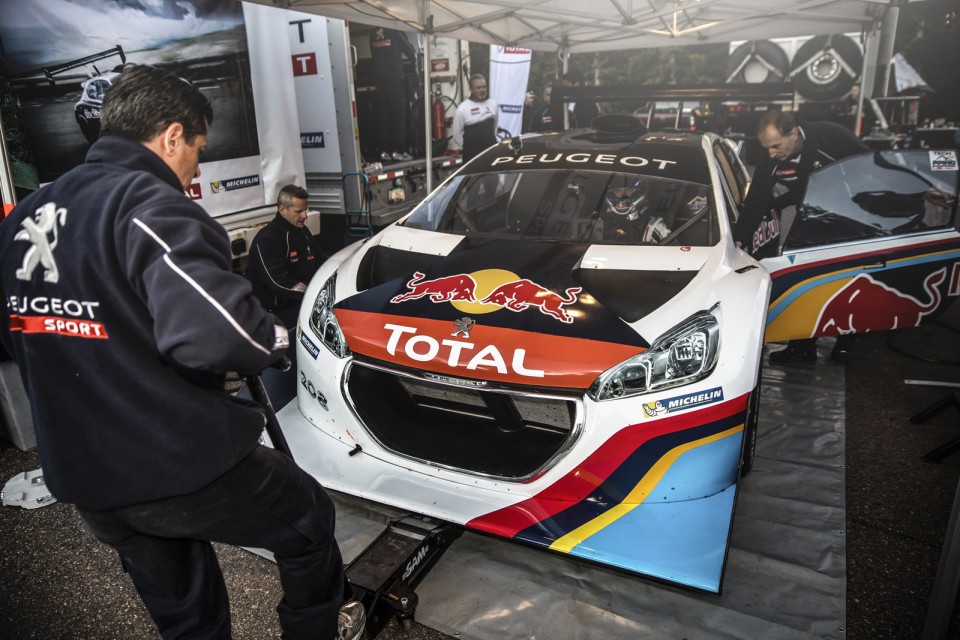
x=938 y=198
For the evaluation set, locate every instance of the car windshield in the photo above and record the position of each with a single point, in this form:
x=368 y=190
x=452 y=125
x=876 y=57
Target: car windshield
x=574 y=206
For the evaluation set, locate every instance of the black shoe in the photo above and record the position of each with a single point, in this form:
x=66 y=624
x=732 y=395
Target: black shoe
x=842 y=348
x=351 y=621
x=799 y=351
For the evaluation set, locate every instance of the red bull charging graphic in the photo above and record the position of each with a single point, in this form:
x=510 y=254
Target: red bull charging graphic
x=491 y=290
x=866 y=304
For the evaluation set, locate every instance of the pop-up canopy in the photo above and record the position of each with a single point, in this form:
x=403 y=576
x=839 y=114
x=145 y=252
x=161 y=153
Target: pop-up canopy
x=603 y=25
x=572 y=26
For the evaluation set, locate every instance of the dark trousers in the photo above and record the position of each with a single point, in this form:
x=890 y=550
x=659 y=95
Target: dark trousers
x=393 y=108
x=265 y=502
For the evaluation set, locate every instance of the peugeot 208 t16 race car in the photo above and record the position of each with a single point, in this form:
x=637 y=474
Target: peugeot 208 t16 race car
x=557 y=346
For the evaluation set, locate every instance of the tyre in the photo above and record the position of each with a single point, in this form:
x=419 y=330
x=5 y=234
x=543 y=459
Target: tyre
x=826 y=67
x=758 y=61
x=750 y=427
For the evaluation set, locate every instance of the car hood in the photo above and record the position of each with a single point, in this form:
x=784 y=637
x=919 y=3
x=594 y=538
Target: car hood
x=551 y=315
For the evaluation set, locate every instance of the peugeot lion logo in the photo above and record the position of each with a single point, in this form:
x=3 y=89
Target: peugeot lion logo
x=37 y=232
x=463 y=327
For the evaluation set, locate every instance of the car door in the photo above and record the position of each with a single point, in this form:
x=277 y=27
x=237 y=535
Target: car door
x=874 y=246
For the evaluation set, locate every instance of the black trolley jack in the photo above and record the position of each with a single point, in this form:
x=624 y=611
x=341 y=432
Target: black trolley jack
x=384 y=575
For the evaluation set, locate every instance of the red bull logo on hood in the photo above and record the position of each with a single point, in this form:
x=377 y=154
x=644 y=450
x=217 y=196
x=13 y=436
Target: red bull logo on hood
x=491 y=290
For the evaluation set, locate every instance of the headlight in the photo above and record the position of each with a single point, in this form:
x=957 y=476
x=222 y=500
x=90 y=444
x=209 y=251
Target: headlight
x=323 y=322
x=683 y=355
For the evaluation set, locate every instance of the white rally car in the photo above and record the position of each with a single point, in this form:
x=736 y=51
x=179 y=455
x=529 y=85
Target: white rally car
x=561 y=344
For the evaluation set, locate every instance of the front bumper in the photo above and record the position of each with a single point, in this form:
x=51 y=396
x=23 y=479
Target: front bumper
x=649 y=494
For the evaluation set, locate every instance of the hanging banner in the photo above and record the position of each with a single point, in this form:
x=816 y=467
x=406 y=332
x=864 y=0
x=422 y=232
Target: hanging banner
x=509 y=71
x=63 y=56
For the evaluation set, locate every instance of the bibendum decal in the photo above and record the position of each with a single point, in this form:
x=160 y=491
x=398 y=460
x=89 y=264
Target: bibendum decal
x=42 y=233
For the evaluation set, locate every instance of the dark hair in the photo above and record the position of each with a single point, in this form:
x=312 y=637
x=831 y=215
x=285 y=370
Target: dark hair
x=146 y=100
x=784 y=121
x=290 y=191
x=573 y=77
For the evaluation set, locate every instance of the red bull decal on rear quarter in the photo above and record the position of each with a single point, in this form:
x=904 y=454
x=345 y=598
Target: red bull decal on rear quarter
x=865 y=304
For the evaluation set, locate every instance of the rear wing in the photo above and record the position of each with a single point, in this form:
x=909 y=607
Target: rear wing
x=51 y=71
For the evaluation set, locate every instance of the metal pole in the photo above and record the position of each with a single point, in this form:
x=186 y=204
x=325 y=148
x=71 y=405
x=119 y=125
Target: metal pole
x=427 y=21
x=887 y=35
x=7 y=189
x=565 y=58
x=868 y=76
x=948 y=577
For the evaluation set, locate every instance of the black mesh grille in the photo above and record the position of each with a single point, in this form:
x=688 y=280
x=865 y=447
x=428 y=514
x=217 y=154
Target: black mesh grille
x=503 y=434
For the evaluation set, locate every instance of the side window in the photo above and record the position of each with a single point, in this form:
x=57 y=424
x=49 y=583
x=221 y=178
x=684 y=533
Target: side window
x=876 y=195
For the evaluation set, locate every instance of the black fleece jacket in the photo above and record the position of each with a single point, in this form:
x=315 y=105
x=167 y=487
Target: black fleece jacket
x=282 y=257
x=823 y=143
x=122 y=314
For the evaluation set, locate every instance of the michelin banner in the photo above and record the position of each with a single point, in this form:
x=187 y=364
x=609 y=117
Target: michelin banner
x=509 y=70
x=63 y=55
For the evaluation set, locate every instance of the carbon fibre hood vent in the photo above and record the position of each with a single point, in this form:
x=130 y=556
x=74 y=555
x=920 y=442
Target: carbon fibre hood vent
x=382 y=264
x=632 y=294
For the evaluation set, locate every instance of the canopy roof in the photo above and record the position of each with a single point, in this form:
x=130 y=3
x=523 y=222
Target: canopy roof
x=603 y=25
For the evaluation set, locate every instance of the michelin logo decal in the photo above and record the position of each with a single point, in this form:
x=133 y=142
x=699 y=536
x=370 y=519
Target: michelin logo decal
x=232 y=184
x=680 y=403
x=307 y=343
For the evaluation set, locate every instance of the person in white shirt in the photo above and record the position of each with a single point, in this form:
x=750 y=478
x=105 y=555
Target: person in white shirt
x=475 y=122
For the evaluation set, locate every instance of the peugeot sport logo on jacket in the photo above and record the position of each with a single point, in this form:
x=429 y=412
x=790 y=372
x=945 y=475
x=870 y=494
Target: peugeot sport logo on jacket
x=37 y=231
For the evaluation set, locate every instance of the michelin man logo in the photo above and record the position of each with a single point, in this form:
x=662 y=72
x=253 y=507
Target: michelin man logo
x=47 y=220
x=653 y=409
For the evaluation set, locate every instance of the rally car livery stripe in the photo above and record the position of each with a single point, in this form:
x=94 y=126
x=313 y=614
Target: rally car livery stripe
x=787 y=281
x=803 y=288
x=609 y=474
x=640 y=493
x=624 y=481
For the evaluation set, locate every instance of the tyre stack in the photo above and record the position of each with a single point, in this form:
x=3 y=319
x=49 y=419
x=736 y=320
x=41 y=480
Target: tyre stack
x=823 y=69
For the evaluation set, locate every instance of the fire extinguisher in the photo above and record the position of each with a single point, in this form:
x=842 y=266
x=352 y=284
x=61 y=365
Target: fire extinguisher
x=439 y=121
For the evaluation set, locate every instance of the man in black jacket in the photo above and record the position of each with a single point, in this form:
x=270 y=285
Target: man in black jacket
x=123 y=316
x=388 y=47
x=284 y=256
x=794 y=151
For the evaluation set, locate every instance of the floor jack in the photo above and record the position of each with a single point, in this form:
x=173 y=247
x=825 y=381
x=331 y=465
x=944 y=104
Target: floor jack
x=384 y=575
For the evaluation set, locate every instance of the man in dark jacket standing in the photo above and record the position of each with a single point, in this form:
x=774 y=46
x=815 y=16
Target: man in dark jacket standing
x=284 y=256
x=388 y=47
x=123 y=316
x=794 y=151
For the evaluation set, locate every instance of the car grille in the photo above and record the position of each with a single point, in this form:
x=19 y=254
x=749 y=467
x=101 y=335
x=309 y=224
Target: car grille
x=506 y=434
